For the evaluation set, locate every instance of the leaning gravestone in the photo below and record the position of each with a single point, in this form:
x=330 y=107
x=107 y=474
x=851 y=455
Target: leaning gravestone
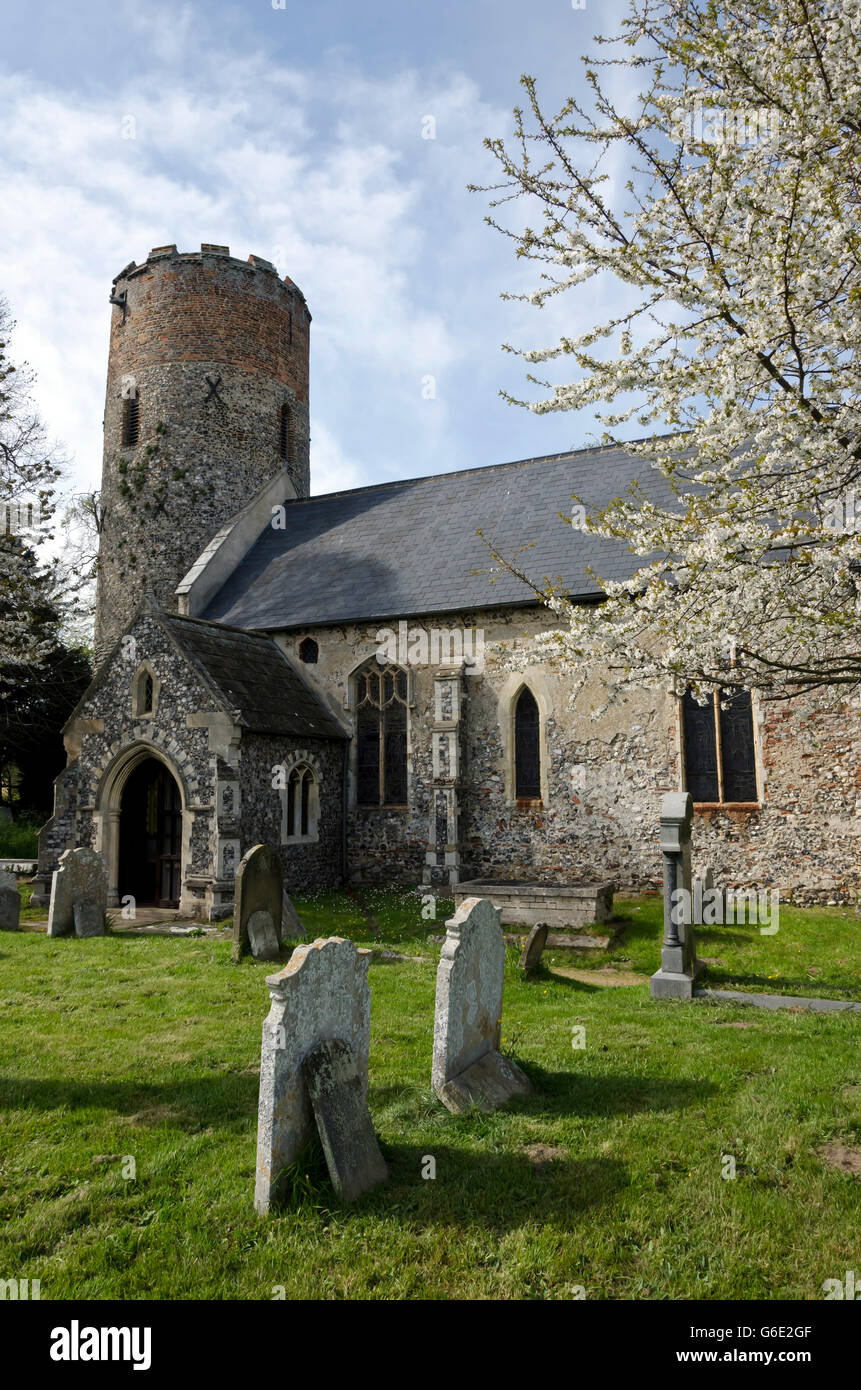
x=79 y=883
x=680 y=968
x=331 y=1073
x=291 y=922
x=10 y=902
x=467 y=1066
x=322 y=994
x=530 y=957
x=259 y=887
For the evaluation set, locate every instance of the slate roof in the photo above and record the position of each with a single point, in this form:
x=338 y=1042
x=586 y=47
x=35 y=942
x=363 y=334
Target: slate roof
x=405 y=548
x=254 y=677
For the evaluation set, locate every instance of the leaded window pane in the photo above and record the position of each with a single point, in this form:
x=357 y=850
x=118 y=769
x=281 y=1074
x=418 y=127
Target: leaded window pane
x=395 y=752
x=368 y=759
x=701 y=769
x=527 y=759
x=737 y=747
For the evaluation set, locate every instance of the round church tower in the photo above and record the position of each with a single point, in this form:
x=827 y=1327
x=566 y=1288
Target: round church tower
x=207 y=400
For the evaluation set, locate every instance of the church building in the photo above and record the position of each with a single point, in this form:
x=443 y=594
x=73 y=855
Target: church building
x=320 y=674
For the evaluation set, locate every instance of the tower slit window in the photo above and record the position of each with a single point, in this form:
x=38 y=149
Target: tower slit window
x=131 y=421
x=285 y=435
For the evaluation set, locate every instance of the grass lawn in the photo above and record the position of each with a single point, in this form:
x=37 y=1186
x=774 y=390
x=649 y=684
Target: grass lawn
x=148 y=1048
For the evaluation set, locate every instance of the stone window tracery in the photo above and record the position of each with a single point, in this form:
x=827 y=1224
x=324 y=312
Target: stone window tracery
x=301 y=805
x=381 y=701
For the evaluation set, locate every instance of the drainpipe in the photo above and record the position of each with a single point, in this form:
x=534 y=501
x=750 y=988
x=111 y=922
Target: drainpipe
x=344 y=799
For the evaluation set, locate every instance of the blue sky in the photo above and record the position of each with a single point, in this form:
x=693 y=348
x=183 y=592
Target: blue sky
x=296 y=134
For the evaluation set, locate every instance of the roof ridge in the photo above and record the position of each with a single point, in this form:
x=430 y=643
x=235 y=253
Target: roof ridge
x=221 y=627
x=587 y=450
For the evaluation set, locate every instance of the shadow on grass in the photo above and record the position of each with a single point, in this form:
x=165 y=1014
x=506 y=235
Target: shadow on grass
x=585 y=1093
x=495 y=1191
x=197 y=1103
x=777 y=984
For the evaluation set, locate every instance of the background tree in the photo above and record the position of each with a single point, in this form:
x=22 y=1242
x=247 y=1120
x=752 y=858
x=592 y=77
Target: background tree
x=42 y=675
x=738 y=240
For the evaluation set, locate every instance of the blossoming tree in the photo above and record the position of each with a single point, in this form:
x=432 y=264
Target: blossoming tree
x=738 y=238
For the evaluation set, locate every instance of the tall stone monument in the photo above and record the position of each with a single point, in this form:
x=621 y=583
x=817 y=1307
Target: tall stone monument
x=679 y=965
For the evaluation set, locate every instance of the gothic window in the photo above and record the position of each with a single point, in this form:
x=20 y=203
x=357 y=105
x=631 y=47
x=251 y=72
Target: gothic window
x=527 y=754
x=719 y=748
x=308 y=650
x=144 y=692
x=381 y=735
x=131 y=421
x=301 y=805
x=284 y=435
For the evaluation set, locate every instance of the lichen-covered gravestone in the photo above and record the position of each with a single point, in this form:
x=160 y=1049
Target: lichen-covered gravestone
x=80 y=882
x=467 y=1066
x=10 y=902
x=353 y=1157
x=257 y=908
x=322 y=994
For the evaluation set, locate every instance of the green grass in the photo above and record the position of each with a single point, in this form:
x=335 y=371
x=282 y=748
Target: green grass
x=19 y=839
x=815 y=950
x=148 y=1048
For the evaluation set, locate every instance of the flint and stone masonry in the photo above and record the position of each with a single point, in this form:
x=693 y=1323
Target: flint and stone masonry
x=247 y=639
x=209 y=350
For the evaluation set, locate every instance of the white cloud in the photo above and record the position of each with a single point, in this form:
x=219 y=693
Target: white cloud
x=328 y=177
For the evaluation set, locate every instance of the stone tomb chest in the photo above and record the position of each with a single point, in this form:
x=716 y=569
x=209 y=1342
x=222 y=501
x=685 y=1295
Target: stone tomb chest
x=564 y=907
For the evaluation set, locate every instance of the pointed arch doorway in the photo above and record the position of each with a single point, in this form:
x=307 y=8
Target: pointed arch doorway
x=150 y=836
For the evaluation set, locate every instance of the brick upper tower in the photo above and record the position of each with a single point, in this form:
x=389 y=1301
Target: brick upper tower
x=207 y=400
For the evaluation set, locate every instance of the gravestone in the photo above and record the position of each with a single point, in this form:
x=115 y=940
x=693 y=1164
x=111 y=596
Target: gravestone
x=353 y=1157
x=263 y=937
x=291 y=923
x=322 y=994
x=10 y=902
x=89 y=918
x=81 y=878
x=531 y=955
x=679 y=965
x=259 y=888
x=467 y=1066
